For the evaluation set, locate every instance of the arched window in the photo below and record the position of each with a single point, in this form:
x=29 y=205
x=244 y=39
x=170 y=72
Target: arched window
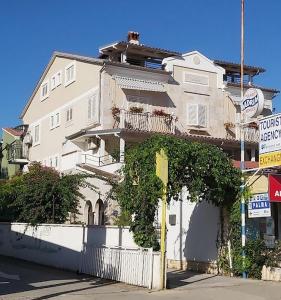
x=88 y=213
x=99 y=213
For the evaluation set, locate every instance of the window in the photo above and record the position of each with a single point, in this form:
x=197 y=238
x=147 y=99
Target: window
x=92 y=108
x=69 y=114
x=54 y=120
x=36 y=135
x=70 y=74
x=56 y=80
x=197 y=115
x=54 y=161
x=53 y=82
x=44 y=91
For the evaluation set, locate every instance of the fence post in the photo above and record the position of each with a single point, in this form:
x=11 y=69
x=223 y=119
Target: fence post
x=151 y=268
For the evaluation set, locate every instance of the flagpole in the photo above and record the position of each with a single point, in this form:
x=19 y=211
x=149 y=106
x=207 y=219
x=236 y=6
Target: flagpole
x=242 y=139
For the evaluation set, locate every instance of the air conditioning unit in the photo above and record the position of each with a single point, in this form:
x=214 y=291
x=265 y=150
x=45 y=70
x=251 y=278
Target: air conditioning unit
x=92 y=143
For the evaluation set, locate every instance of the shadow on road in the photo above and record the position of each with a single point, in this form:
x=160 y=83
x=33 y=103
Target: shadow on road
x=17 y=276
x=179 y=278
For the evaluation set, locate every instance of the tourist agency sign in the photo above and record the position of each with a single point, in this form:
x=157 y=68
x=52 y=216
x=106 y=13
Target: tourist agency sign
x=270 y=141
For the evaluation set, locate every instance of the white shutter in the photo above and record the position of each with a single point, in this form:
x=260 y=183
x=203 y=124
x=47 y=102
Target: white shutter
x=192 y=114
x=93 y=108
x=202 y=115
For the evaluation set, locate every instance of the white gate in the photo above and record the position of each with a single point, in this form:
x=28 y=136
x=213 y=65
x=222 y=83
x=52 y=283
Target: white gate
x=134 y=266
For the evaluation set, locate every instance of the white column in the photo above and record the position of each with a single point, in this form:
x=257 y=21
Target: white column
x=122 y=149
x=102 y=149
x=253 y=154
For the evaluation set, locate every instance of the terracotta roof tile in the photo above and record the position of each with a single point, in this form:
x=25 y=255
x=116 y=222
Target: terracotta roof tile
x=13 y=131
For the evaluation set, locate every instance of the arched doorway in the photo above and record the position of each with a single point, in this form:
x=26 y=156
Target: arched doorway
x=88 y=213
x=99 y=213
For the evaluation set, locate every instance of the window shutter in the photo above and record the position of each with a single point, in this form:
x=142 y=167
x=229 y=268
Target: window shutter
x=192 y=114
x=93 y=108
x=202 y=115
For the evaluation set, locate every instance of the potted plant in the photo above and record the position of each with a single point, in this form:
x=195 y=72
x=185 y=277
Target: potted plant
x=136 y=110
x=253 y=125
x=115 y=112
x=229 y=125
x=160 y=113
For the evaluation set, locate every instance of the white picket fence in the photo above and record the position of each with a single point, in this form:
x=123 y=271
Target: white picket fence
x=132 y=266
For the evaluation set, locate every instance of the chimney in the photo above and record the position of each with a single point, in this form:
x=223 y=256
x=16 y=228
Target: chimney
x=133 y=37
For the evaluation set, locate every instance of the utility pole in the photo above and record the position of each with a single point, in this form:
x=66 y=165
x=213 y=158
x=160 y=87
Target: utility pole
x=242 y=139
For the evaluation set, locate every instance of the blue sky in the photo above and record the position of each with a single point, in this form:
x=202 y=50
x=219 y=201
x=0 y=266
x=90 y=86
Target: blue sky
x=30 y=30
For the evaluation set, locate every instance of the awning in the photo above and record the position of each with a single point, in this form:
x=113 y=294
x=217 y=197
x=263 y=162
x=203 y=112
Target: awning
x=139 y=84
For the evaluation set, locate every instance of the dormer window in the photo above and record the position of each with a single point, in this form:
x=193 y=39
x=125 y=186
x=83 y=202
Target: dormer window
x=70 y=74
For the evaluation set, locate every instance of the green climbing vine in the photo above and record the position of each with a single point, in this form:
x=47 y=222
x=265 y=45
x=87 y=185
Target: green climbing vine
x=204 y=169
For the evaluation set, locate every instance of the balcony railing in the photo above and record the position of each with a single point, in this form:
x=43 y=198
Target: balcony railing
x=147 y=122
x=148 y=63
x=98 y=161
x=15 y=153
x=237 y=79
x=251 y=135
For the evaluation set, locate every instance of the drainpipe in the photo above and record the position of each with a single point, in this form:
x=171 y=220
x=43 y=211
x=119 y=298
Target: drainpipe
x=100 y=75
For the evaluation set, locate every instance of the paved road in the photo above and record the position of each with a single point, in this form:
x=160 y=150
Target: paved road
x=25 y=281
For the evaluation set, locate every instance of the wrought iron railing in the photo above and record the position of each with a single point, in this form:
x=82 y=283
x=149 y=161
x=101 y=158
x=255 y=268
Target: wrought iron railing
x=15 y=151
x=236 y=79
x=99 y=161
x=148 y=63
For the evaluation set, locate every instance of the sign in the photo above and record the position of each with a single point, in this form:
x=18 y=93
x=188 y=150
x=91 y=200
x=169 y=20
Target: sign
x=252 y=103
x=270 y=141
x=259 y=206
x=162 y=166
x=274 y=188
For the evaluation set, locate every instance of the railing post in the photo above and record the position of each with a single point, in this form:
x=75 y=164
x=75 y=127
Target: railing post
x=122 y=149
x=173 y=124
x=122 y=118
x=148 y=119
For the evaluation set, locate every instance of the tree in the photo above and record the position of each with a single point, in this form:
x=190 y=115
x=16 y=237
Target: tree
x=41 y=195
x=204 y=169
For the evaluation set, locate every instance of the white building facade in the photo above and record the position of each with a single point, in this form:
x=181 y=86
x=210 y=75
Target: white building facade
x=84 y=111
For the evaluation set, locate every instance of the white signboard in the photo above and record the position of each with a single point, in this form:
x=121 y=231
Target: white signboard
x=252 y=103
x=259 y=206
x=270 y=134
x=270 y=141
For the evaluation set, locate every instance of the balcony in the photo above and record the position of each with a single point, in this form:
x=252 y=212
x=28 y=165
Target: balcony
x=251 y=134
x=15 y=153
x=147 y=122
x=104 y=166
